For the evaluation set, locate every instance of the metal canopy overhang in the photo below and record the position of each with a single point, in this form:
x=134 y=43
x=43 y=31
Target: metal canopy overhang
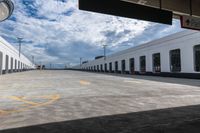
x=126 y=9
x=151 y=10
x=178 y=7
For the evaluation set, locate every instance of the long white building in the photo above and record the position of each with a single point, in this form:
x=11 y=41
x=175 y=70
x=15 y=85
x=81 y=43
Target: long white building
x=10 y=61
x=176 y=55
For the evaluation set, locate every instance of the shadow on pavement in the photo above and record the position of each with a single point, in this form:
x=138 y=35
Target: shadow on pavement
x=172 y=120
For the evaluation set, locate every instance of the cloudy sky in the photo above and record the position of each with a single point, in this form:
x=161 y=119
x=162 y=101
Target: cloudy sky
x=57 y=32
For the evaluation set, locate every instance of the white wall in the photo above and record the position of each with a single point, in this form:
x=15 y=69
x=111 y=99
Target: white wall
x=185 y=41
x=9 y=50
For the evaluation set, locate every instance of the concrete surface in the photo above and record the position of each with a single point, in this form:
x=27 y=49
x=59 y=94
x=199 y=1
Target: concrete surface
x=81 y=102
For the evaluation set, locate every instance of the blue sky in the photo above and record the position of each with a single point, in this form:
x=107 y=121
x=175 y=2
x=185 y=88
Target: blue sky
x=56 y=32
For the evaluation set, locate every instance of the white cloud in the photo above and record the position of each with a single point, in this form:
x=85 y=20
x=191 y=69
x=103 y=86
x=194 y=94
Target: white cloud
x=52 y=32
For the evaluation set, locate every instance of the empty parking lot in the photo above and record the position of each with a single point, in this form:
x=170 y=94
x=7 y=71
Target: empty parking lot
x=73 y=101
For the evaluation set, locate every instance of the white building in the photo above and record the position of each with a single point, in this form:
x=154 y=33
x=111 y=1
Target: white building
x=10 y=60
x=176 y=55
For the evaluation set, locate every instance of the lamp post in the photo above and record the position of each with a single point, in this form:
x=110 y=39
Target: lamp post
x=20 y=44
x=33 y=59
x=6 y=9
x=104 y=48
x=81 y=62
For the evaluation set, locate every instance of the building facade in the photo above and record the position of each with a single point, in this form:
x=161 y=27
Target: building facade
x=177 y=55
x=10 y=61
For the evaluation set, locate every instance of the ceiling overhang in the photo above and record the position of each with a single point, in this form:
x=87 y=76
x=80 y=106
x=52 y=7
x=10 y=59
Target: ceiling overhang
x=160 y=11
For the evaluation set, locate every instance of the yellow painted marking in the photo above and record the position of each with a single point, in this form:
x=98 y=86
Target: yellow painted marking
x=83 y=82
x=51 y=98
x=22 y=100
x=2 y=111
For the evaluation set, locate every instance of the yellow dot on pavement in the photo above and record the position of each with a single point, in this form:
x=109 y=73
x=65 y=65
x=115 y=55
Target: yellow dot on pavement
x=83 y=82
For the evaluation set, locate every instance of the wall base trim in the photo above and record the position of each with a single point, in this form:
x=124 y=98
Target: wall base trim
x=169 y=74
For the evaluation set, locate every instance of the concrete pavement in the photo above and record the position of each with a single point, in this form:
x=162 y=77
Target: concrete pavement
x=72 y=101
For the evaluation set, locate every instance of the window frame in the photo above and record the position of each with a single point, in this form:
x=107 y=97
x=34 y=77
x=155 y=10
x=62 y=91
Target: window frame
x=156 y=69
x=132 y=62
x=145 y=69
x=171 y=67
x=195 y=63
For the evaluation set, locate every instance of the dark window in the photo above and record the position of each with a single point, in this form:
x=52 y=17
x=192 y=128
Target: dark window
x=123 y=66
x=94 y=68
x=15 y=65
x=105 y=67
x=156 y=63
x=116 y=66
x=197 y=58
x=7 y=62
x=97 y=67
x=143 y=64
x=175 y=59
x=132 y=65
x=110 y=66
x=101 y=67
x=11 y=64
x=1 y=62
x=18 y=64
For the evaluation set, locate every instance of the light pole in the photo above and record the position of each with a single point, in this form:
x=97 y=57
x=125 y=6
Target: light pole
x=20 y=43
x=50 y=65
x=33 y=59
x=104 y=47
x=81 y=61
x=6 y=9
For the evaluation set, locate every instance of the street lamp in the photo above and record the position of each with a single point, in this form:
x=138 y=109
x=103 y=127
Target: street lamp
x=104 y=48
x=6 y=9
x=81 y=61
x=20 y=44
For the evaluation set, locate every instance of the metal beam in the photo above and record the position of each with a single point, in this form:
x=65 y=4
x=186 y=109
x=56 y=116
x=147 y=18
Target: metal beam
x=129 y=10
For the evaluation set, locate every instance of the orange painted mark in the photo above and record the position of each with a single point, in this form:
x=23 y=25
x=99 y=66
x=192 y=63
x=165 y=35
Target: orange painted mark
x=22 y=100
x=30 y=104
x=83 y=82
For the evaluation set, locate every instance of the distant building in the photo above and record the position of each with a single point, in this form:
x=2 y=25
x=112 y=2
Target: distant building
x=177 y=55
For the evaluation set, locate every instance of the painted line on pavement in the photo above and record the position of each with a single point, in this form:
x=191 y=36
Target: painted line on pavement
x=51 y=99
